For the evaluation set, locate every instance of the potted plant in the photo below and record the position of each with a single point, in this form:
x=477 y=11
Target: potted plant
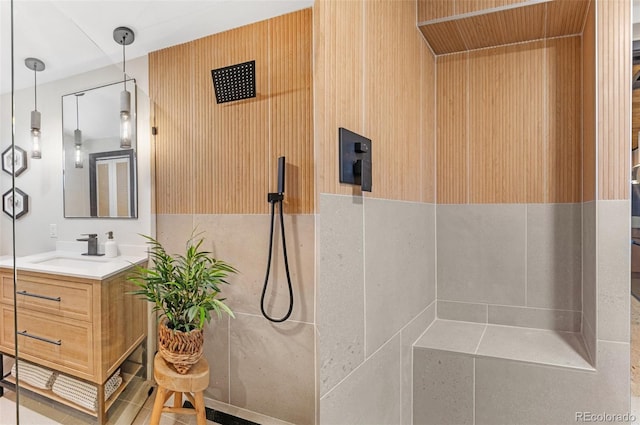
x=184 y=289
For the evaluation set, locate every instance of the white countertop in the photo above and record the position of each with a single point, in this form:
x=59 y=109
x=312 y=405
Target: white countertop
x=73 y=263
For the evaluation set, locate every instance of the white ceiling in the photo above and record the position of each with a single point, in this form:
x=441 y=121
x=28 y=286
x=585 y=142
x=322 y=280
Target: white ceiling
x=74 y=36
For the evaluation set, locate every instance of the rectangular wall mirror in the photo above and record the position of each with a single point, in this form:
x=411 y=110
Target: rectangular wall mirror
x=99 y=173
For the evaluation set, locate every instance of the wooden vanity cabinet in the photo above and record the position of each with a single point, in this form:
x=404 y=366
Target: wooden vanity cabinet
x=84 y=328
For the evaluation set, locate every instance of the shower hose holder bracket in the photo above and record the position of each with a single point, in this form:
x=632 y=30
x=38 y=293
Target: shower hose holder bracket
x=275 y=197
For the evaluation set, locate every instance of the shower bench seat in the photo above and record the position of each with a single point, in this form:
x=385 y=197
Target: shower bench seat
x=487 y=374
x=531 y=345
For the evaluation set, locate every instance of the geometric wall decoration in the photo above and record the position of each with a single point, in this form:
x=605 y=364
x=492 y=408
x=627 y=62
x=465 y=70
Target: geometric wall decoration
x=18 y=205
x=17 y=162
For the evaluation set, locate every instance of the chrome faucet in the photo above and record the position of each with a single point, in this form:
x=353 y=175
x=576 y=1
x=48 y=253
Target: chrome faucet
x=92 y=240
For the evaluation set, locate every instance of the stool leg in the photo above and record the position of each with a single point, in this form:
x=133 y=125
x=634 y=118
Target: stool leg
x=201 y=415
x=158 y=404
x=177 y=399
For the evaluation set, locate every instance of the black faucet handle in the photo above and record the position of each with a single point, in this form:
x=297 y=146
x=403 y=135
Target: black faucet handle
x=90 y=235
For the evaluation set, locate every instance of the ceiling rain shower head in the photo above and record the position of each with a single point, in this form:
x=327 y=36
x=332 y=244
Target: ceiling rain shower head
x=235 y=82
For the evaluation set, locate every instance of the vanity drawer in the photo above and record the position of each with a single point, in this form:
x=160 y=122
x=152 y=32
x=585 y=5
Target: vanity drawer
x=58 y=297
x=64 y=345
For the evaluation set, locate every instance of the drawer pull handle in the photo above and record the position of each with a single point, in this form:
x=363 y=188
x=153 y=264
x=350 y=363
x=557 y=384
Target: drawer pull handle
x=44 y=297
x=39 y=338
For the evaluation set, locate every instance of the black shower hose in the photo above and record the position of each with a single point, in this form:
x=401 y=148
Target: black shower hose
x=286 y=264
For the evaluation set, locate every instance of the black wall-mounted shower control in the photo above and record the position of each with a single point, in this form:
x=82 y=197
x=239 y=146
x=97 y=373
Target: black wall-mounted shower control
x=281 y=168
x=279 y=195
x=355 y=159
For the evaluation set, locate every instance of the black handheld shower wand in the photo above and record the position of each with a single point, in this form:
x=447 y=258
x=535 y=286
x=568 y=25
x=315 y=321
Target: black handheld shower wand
x=273 y=199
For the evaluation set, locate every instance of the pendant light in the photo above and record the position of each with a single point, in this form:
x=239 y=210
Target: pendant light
x=124 y=36
x=36 y=65
x=77 y=135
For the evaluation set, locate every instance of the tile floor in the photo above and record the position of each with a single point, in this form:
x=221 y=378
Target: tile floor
x=40 y=413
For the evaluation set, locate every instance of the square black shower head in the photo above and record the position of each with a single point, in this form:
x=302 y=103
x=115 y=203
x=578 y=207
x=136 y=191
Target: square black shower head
x=235 y=82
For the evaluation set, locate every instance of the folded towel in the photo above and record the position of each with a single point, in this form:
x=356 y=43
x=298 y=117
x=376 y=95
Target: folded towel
x=85 y=394
x=36 y=376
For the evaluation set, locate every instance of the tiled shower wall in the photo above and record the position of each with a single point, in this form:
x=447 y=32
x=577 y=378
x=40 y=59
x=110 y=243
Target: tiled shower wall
x=215 y=164
x=375 y=251
x=509 y=161
x=511 y=264
x=376 y=292
x=263 y=367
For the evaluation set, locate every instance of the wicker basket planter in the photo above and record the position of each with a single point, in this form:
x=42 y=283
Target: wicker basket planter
x=181 y=349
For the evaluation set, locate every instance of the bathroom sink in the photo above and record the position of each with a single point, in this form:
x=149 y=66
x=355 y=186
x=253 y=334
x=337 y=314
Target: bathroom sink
x=71 y=262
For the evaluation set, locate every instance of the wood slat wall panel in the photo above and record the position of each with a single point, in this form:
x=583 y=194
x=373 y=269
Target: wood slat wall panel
x=635 y=112
x=564 y=114
x=506 y=113
x=490 y=28
x=589 y=83
x=509 y=26
x=443 y=37
x=451 y=128
x=290 y=45
x=469 y=6
x=434 y=9
x=392 y=108
x=321 y=37
x=231 y=141
x=428 y=129
x=170 y=84
x=340 y=101
x=370 y=85
x=218 y=158
x=522 y=135
x=614 y=98
x=566 y=17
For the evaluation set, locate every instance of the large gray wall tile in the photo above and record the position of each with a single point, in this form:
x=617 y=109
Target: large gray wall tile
x=340 y=288
x=452 y=335
x=590 y=340
x=442 y=388
x=399 y=266
x=272 y=368
x=243 y=241
x=589 y=268
x=614 y=264
x=370 y=395
x=409 y=335
x=173 y=231
x=509 y=392
x=534 y=345
x=216 y=351
x=559 y=320
x=554 y=250
x=481 y=253
x=467 y=312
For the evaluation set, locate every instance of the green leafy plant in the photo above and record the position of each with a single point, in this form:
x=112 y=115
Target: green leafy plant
x=183 y=288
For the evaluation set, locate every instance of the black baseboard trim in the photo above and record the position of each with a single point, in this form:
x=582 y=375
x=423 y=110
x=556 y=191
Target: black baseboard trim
x=221 y=417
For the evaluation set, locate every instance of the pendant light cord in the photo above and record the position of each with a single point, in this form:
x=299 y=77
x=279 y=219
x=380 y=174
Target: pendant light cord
x=77 y=115
x=35 y=87
x=124 y=66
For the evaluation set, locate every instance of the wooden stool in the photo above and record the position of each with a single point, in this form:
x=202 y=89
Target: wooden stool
x=171 y=382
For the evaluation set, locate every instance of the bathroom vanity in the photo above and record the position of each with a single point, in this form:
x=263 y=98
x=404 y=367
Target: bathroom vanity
x=75 y=317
